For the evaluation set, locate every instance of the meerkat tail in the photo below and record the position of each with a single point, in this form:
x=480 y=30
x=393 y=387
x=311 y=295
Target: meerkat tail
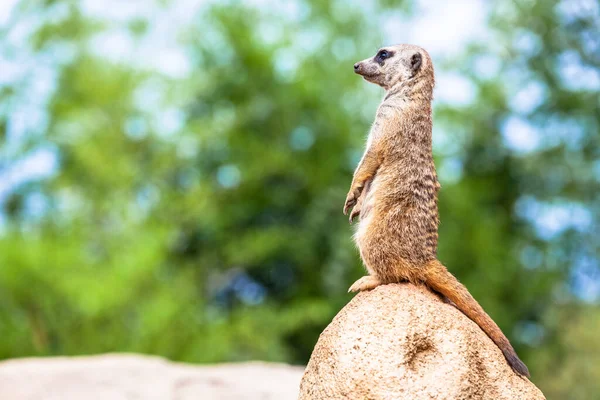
x=438 y=278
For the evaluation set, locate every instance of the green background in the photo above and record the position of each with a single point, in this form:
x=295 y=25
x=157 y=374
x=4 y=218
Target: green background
x=172 y=175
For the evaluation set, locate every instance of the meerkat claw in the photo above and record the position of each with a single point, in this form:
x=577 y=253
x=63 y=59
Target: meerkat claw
x=355 y=213
x=350 y=202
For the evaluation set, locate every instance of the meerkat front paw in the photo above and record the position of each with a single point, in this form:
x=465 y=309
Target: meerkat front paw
x=365 y=283
x=351 y=199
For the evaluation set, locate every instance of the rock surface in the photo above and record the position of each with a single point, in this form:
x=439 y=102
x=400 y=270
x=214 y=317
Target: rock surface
x=128 y=377
x=403 y=342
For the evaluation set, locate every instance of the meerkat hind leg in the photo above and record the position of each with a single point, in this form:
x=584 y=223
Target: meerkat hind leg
x=367 y=282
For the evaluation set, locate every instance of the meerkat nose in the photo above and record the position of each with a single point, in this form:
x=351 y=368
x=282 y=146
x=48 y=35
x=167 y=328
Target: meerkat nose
x=356 y=66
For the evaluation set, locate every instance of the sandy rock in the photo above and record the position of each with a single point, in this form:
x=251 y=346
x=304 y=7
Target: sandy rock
x=403 y=342
x=129 y=377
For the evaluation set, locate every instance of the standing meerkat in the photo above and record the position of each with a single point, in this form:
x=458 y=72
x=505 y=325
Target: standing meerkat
x=395 y=186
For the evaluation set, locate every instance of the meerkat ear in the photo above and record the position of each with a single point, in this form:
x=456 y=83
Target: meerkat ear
x=415 y=62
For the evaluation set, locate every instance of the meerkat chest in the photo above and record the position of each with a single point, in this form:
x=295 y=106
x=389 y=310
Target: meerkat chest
x=373 y=134
x=387 y=124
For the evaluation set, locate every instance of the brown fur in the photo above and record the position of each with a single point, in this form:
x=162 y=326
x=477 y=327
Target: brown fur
x=395 y=186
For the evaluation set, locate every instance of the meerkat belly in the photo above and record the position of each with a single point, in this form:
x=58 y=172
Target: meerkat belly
x=391 y=235
x=375 y=206
x=366 y=221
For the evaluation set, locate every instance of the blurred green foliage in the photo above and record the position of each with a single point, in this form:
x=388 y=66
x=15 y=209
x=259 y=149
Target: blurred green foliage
x=196 y=213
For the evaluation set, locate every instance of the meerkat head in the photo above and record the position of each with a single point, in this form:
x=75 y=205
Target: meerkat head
x=397 y=65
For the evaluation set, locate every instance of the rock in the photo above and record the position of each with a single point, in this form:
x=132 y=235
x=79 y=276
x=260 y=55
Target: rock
x=125 y=377
x=403 y=342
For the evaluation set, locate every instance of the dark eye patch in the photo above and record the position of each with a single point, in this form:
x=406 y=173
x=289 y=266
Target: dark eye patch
x=382 y=55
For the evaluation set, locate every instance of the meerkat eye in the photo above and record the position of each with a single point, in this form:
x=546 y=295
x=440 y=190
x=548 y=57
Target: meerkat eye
x=383 y=54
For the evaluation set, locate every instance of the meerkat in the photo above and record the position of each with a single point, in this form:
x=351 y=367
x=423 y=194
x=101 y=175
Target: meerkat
x=395 y=186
